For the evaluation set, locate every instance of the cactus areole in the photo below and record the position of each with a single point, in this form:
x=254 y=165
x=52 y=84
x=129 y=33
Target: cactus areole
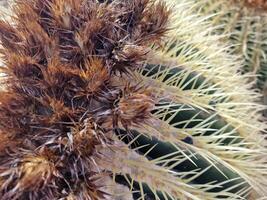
x=96 y=106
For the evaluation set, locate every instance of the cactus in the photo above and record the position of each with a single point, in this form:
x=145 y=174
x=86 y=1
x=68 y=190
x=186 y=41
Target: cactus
x=245 y=24
x=125 y=99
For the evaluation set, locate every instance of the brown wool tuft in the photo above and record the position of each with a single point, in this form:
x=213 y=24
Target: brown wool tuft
x=60 y=102
x=259 y=4
x=34 y=170
x=134 y=107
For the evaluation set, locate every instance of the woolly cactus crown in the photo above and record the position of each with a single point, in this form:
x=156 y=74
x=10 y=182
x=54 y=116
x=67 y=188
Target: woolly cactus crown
x=63 y=63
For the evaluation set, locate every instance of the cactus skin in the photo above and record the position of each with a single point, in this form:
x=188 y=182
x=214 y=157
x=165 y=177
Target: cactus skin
x=245 y=24
x=91 y=111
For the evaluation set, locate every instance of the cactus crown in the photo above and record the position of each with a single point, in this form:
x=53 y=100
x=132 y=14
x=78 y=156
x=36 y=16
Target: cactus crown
x=63 y=63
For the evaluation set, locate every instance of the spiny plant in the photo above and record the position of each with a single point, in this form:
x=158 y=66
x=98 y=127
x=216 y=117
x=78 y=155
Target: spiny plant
x=245 y=24
x=124 y=99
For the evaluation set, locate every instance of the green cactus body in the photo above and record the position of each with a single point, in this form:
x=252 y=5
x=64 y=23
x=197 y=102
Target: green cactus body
x=162 y=113
x=245 y=25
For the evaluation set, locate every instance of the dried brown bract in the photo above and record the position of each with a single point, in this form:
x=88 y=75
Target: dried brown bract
x=59 y=101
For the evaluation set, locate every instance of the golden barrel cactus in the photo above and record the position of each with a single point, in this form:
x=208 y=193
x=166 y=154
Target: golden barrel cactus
x=122 y=100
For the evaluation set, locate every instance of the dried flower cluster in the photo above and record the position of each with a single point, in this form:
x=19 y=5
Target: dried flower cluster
x=67 y=91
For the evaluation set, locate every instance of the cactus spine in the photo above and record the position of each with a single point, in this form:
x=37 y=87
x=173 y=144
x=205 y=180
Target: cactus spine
x=132 y=99
x=245 y=24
